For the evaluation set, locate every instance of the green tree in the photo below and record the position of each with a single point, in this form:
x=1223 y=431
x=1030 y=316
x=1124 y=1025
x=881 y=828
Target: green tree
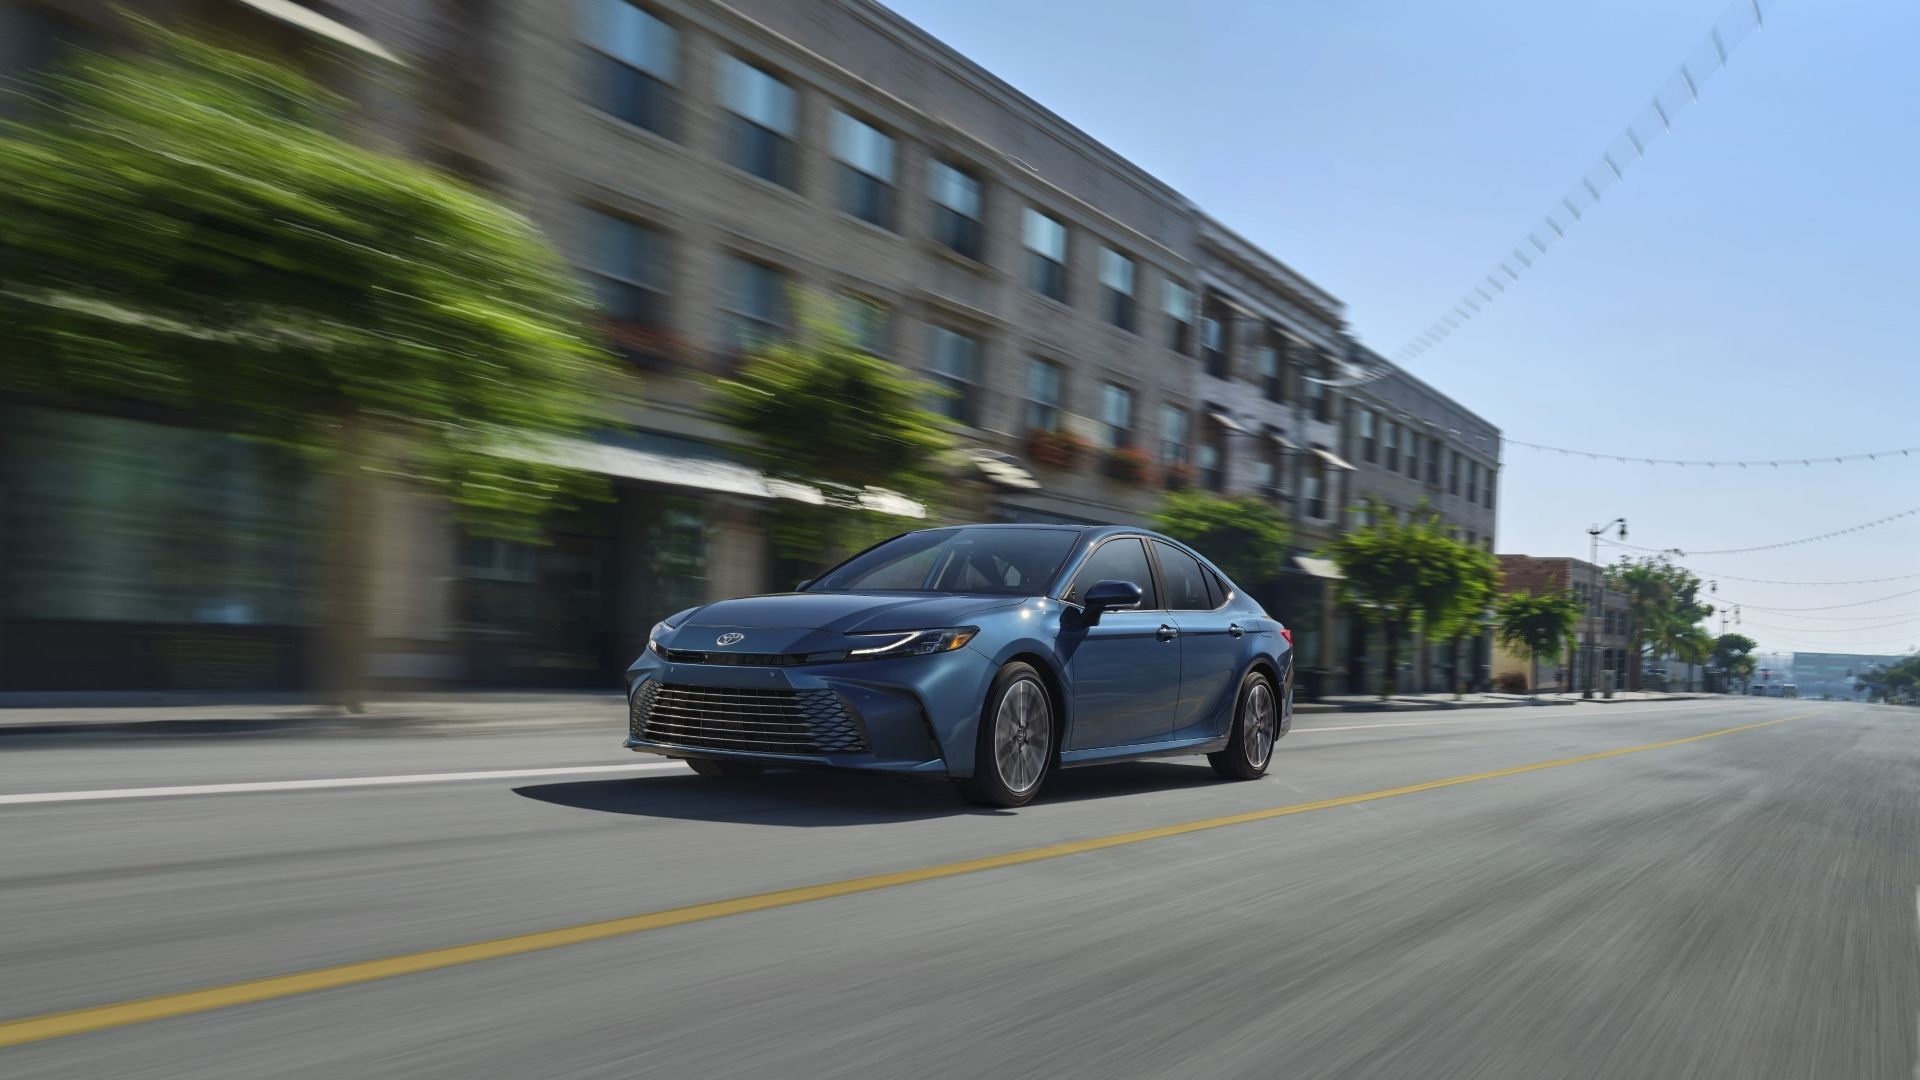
x=1246 y=537
x=1534 y=625
x=1401 y=576
x=186 y=228
x=1694 y=647
x=1663 y=603
x=1728 y=651
x=818 y=412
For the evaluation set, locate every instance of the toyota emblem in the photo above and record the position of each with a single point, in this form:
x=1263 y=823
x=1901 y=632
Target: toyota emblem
x=729 y=639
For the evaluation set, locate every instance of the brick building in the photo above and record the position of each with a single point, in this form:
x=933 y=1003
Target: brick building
x=1600 y=637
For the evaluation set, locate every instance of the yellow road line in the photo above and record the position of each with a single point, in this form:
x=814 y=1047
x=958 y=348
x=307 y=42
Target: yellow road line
x=100 y=1017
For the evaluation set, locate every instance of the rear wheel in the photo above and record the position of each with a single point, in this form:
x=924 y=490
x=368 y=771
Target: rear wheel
x=1015 y=748
x=725 y=770
x=1256 y=727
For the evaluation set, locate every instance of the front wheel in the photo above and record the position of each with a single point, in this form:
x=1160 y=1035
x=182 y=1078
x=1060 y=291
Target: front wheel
x=716 y=769
x=1256 y=726
x=1015 y=747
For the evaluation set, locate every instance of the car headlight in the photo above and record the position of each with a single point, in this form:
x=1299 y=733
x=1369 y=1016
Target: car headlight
x=653 y=638
x=913 y=642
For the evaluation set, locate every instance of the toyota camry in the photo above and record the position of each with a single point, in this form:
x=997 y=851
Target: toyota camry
x=991 y=655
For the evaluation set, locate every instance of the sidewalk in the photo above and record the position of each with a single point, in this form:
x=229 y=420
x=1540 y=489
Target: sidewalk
x=159 y=714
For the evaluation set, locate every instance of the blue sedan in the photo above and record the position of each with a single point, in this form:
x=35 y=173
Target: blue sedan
x=991 y=655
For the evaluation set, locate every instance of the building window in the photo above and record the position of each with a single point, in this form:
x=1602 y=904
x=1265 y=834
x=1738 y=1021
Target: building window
x=756 y=303
x=1046 y=243
x=1434 y=453
x=1177 y=301
x=632 y=62
x=1216 y=344
x=1489 y=490
x=1369 y=442
x=1391 y=439
x=760 y=121
x=1473 y=538
x=1116 y=288
x=1267 y=369
x=629 y=269
x=1211 y=464
x=956 y=208
x=1453 y=475
x=1173 y=435
x=956 y=368
x=1319 y=398
x=1473 y=481
x=865 y=157
x=1413 y=455
x=865 y=322
x=1116 y=413
x=1265 y=474
x=1315 y=494
x=1043 y=395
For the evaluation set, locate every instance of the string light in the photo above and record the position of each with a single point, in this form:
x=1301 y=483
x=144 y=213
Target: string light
x=1833 y=629
x=1895 y=454
x=1654 y=119
x=1828 y=607
x=1731 y=604
x=1877 y=522
x=1768 y=581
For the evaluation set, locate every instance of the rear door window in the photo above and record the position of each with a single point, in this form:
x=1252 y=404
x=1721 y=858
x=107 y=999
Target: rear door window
x=1186 y=579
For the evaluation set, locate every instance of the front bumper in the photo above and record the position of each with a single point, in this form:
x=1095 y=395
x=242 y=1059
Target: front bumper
x=915 y=715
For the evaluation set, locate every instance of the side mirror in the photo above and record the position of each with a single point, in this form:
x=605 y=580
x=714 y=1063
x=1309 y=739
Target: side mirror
x=801 y=585
x=1110 y=594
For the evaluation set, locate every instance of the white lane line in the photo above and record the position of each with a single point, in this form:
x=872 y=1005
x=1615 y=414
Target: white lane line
x=332 y=782
x=1299 y=730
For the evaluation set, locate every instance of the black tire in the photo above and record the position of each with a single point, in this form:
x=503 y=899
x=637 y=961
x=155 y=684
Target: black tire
x=1238 y=760
x=718 y=769
x=1030 y=752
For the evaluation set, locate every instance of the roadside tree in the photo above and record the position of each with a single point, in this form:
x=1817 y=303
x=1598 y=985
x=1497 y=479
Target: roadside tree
x=1246 y=537
x=1401 y=576
x=187 y=230
x=1536 y=625
x=850 y=429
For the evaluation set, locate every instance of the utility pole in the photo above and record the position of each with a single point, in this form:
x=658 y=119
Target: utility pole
x=1595 y=603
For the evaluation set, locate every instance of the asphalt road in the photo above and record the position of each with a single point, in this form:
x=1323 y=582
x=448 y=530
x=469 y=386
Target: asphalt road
x=1744 y=905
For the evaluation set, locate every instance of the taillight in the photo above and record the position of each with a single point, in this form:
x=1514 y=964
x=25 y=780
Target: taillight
x=1288 y=634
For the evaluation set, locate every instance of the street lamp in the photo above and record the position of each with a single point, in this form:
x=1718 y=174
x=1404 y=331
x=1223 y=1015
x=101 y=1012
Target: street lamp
x=1593 y=614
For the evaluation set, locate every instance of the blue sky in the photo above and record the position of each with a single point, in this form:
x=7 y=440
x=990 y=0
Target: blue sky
x=1744 y=294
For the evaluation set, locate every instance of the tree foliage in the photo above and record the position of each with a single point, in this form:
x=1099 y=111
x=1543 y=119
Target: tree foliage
x=184 y=227
x=1536 y=625
x=1406 y=575
x=1663 y=605
x=1245 y=537
x=819 y=412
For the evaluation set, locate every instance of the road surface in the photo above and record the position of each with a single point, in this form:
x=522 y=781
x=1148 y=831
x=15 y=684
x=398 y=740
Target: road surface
x=1745 y=904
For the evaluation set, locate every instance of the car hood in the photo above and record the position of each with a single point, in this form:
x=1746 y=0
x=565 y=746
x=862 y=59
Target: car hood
x=847 y=613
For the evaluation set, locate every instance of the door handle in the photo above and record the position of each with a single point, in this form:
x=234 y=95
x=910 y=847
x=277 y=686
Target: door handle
x=1233 y=630
x=1166 y=633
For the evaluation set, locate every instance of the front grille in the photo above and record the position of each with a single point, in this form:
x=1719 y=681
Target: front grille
x=734 y=718
x=694 y=656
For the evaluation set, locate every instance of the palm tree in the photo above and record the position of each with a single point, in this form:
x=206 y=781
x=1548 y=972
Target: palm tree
x=1535 y=624
x=1695 y=646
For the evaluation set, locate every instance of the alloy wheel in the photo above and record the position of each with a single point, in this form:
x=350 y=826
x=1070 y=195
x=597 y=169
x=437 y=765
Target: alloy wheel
x=1023 y=736
x=1258 y=722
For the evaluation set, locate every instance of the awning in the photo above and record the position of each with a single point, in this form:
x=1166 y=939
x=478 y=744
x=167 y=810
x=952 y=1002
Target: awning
x=1225 y=420
x=687 y=471
x=1002 y=470
x=1333 y=460
x=319 y=25
x=1282 y=441
x=1320 y=568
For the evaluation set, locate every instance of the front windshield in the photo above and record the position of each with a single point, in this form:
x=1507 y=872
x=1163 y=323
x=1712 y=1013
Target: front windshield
x=1010 y=562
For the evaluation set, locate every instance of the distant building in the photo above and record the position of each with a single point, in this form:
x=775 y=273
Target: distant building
x=1832 y=674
